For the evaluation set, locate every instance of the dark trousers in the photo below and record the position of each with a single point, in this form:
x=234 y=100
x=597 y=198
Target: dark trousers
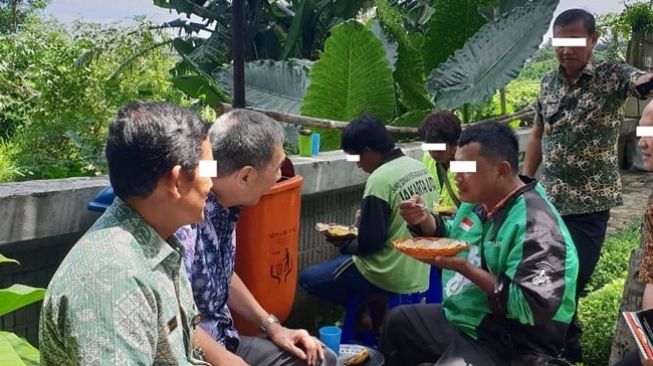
x=416 y=334
x=588 y=232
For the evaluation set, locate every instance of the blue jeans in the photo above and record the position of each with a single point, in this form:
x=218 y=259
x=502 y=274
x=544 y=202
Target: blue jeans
x=336 y=280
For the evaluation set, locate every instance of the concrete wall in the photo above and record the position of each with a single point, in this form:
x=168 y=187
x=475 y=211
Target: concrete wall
x=41 y=220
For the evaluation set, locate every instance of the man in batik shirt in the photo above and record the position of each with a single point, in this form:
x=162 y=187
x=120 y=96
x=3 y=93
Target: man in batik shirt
x=121 y=296
x=250 y=150
x=577 y=123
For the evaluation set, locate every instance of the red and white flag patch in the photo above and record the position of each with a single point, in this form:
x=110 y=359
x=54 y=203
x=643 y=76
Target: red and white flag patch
x=466 y=224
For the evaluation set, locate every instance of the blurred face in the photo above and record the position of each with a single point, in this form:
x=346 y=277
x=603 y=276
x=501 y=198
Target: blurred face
x=444 y=157
x=478 y=187
x=646 y=143
x=574 y=59
x=369 y=160
x=260 y=181
x=194 y=189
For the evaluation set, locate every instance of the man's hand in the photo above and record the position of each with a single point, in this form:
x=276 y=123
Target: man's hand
x=457 y=264
x=413 y=210
x=645 y=91
x=290 y=339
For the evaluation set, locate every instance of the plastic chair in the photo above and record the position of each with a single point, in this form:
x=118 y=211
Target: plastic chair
x=431 y=296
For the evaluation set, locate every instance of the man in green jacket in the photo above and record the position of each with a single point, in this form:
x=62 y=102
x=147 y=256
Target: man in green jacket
x=511 y=296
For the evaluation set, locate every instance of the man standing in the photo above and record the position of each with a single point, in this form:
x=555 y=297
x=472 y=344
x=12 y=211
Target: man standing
x=577 y=123
x=250 y=150
x=121 y=296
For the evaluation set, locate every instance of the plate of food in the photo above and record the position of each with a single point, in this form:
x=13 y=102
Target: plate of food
x=354 y=354
x=430 y=247
x=337 y=231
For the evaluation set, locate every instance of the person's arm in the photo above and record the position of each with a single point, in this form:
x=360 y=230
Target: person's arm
x=419 y=220
x=537 y=272
x=647 y=298
x=243 y=303
x=215 y=353
x=372 y=229
x=533 y=156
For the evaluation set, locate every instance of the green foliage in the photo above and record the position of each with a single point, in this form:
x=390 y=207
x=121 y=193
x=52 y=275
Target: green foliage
x=637 y=18
x=409 y=72
x=492 y=57
x=351 y=77
x=15 y=350
x=64 y=92
x=597 y=314
x=452 y=24
x=615 y=256
x=271 y=85
x=14 y=13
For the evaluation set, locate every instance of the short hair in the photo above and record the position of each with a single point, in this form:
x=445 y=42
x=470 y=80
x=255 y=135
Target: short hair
x=497 y=141
x=146 y=140
x=366 y=132
x=571 y=16
x=440 y=127
x=244 y=138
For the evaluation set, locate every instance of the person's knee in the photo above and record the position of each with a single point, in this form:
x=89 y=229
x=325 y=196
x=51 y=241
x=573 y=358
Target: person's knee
x=393 y=322
x=307 y=280
x=330 y=358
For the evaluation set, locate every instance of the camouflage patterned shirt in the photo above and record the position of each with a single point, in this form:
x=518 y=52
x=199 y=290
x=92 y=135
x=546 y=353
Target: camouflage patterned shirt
x=581 y=124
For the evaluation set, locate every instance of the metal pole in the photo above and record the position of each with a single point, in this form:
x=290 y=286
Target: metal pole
x=237 y=49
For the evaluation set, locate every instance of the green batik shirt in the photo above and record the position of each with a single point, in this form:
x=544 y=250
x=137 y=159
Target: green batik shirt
x=120 y=297
x=581 y=125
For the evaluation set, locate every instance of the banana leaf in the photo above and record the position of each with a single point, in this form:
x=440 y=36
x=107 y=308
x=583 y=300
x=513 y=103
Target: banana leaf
x=493 y=57
x=272 y=85
x=351 y=77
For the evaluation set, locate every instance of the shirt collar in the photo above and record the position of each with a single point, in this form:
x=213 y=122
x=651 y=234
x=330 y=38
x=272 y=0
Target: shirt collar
x=155 y=249
x=392 y=155
x=510 y=197
x=589 y=70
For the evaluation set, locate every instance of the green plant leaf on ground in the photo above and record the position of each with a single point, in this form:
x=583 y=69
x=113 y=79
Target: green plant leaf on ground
x=18 y=296
x=352 y=77
x=492 y=57
x=4 y=259
x=15 y=351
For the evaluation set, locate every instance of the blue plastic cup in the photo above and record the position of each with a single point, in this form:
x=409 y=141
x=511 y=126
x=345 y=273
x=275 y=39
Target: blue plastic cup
x=315 y=144
x=330 y=336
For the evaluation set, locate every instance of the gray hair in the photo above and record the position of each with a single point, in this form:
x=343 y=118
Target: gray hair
x=243 y=137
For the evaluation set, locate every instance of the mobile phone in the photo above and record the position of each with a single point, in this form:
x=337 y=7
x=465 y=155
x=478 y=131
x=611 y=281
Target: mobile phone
x=645 y=88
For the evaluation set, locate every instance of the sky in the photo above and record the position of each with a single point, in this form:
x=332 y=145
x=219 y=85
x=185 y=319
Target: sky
x=105 y=11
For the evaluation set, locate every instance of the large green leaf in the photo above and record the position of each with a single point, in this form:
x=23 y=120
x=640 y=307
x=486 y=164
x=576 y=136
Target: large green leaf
x=389 y=45
x=504 y=6
x=301 y=16
x=4 y=259
x=493 y=57
x=17 y=296
x=16 y=351
x=409 y=71
x=410 y=118
x=351 y=77
x=452 y=24
x=272 y=85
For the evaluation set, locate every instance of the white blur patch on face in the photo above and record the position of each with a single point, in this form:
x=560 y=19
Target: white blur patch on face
x=569 y=42
x=208 y=168
x=462 y=166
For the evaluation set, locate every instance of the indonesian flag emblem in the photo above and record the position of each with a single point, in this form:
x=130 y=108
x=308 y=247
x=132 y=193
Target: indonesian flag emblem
x=466 y=224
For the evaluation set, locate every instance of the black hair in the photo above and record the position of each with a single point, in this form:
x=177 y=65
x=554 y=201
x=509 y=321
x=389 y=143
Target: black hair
x=440 y=127
x=366 y=132
x=571 y=16
x=498 y=142
x=146 y=140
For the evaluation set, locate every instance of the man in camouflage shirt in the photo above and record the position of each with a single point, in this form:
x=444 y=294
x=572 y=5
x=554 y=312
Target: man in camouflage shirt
x=577 y=123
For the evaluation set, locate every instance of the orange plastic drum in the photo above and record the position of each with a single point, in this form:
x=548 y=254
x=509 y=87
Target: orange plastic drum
x=267 y=240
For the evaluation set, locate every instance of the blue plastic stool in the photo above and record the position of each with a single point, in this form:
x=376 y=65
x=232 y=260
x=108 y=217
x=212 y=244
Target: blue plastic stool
x=431 y=296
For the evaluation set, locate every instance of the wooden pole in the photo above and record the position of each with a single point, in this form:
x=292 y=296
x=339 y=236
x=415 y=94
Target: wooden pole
x=238 y=52
x=222 y=108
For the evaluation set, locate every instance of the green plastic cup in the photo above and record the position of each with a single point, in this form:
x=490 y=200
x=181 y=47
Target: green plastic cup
x=305 y=143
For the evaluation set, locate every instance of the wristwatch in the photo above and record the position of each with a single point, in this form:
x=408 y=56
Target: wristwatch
x=268 y=322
